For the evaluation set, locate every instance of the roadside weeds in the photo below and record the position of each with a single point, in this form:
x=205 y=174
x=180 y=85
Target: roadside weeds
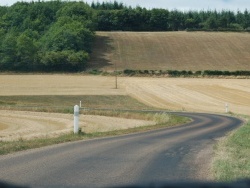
x=231 y=161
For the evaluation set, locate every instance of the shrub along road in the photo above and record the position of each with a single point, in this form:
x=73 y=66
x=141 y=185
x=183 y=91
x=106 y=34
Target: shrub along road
x=169 y=154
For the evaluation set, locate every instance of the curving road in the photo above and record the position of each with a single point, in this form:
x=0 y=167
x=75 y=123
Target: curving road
x=170 y=154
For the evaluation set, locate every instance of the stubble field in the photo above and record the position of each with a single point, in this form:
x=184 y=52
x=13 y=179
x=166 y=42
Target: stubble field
x=198 y=95
x=195 y=51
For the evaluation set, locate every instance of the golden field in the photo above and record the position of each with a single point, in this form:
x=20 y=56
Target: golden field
x=180 y=94
x=195 y=51
x=195 y=94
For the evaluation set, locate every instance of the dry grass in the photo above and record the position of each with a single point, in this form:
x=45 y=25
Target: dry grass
x=171 y=51
x=65 y=103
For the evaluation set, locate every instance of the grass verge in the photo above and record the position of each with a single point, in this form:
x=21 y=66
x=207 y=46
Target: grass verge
x=65 y=103
x=162 y=119
x=232 y=153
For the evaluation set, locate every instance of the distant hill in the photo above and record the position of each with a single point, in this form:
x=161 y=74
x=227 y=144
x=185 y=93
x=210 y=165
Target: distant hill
x=171 y=51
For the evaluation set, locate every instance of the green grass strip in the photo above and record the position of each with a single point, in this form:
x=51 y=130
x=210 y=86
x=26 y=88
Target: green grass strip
x=232 y=160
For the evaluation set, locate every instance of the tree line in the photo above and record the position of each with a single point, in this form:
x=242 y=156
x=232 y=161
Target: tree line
x=116 y=16
x=57 y=35
x=46 y=36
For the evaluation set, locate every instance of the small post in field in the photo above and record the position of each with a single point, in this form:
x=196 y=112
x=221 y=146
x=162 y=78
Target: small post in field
x=76 y=119
x=80 y=104
x=116 y=87
x=226 y=106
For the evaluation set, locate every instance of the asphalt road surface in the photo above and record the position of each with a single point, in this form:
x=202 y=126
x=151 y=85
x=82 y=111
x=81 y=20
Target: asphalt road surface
x=180 y=153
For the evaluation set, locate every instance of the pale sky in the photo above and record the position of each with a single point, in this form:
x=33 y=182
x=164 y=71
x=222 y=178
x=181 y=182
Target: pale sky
x=183 y=5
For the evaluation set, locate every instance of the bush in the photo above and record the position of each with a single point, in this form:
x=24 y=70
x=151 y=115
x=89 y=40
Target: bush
x=174 y=73
x=177 y=73
x=95 y=72
x=161 y=118
x=129 y=72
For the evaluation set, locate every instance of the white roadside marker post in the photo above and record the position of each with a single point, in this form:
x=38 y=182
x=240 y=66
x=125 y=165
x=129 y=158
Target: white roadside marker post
x=80 y=104
x=76 y=119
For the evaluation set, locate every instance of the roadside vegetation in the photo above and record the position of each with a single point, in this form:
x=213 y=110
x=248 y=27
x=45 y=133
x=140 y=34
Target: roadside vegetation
x=232 y=155
x=162 y=120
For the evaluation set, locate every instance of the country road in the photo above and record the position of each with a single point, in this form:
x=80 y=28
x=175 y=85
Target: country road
x=182 y=153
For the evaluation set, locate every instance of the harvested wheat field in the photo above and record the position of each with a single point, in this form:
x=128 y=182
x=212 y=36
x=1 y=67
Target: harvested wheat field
x=16 y=125
x=171 y=51
x=56 y=85
x=198 y=95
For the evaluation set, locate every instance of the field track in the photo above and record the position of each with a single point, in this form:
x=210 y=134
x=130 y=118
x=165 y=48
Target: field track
x=171 y=51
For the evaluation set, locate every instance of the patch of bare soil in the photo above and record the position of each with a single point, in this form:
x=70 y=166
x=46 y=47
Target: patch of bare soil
x=26 y=125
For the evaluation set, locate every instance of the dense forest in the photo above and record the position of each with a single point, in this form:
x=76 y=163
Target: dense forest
x=57 y=35
x=116 y=16
x=46 y=36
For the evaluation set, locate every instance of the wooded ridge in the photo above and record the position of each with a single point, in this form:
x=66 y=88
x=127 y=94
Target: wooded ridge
x=58 y=35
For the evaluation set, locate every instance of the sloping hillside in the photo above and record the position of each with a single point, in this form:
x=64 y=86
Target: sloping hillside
x=171 y=51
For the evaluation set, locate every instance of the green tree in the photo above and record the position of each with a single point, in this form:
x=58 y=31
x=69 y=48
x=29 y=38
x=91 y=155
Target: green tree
x=26 y=52
x=8 y=51
x=78 y=11
x=66 y=60
x=176 y=20
x=211 y=23
x=69 y=36
x=159 y=20
x=246 y=23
